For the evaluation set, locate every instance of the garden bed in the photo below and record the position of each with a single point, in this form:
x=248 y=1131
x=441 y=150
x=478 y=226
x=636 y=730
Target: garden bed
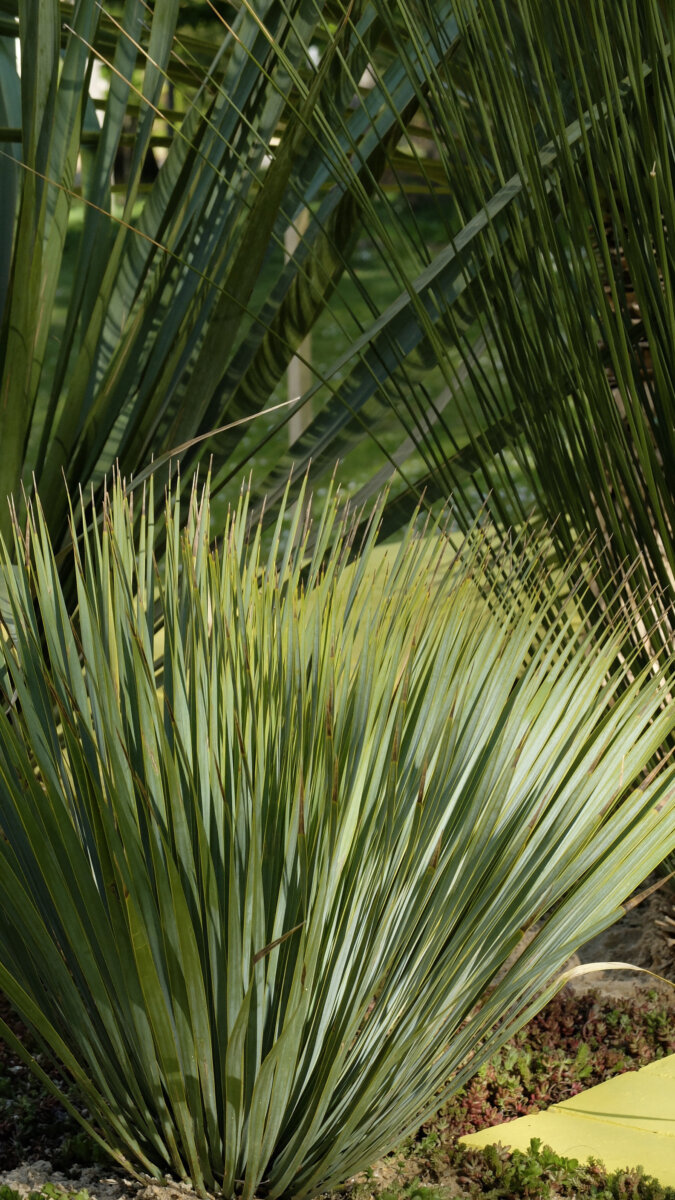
x=578 y=1040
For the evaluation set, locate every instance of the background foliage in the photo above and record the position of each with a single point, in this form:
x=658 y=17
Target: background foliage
x=507 y=170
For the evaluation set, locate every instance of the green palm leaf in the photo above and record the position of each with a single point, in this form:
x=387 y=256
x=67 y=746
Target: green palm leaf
x=517 y=127
x=163 y=306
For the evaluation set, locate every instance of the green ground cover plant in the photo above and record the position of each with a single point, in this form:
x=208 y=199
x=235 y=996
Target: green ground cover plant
x=47 y=1192
x=542 y=1174
x=272 y=821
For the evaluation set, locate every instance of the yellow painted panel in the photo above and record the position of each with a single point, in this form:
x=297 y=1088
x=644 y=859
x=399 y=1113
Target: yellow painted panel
x=627 y=1121
x=662 y=1066
x=640 y=1099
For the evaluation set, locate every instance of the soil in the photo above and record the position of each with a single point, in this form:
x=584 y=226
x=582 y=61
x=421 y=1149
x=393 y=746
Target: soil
x=644 y=937
x=101 y=1183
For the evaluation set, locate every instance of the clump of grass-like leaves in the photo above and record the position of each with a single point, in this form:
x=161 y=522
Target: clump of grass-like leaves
x=271 y=824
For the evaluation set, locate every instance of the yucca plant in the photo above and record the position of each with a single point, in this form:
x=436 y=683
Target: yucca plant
x=272 y=823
